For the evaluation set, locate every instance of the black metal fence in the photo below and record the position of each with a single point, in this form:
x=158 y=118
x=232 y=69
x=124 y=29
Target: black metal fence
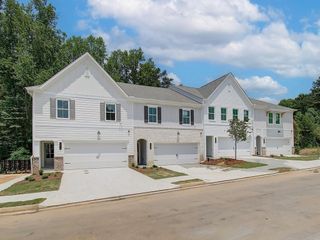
x=15 y=166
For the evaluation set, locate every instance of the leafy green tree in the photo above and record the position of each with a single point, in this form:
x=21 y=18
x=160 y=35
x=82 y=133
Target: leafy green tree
x=238 y=131
x=132 y=67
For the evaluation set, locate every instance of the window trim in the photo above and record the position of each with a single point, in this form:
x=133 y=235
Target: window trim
x=189 y=110
x=270 y=113
x=62 y=99
x=222 y=120
x=214 y=114
x=115 y=112
x=233 y=116
x=279 y=118
x=156 y=107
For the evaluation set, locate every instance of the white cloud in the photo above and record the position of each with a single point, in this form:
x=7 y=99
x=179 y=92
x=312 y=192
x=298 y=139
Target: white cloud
x=262 y=85
x=176 y=79
x=270 y=100
x=220 y=31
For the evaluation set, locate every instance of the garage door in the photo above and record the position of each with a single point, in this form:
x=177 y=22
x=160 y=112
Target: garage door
x=278 y=146
x=95 y=155
x=168 y=154
x=226 y=147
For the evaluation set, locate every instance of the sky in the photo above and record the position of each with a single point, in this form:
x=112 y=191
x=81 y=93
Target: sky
x=272 y=47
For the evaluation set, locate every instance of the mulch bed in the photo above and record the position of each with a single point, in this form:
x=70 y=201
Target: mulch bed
x=51 y=176
x=223 y=162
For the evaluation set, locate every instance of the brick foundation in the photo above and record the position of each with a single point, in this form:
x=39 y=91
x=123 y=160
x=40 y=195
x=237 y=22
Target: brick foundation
x=58 y=163
x=35 y=167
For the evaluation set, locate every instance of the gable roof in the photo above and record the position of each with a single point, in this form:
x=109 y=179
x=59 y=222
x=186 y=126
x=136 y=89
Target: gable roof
x=206 y=90
x=269 y=106
x=79 y=60
x=154 y=93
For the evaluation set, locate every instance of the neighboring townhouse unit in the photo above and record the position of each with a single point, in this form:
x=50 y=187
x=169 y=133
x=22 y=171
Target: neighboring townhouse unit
x=82 y=119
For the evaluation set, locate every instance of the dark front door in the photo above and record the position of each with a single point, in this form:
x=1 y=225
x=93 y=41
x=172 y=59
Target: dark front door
x=48 y=155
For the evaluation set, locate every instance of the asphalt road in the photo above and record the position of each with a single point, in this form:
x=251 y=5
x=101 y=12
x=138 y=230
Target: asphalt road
x=277 y=207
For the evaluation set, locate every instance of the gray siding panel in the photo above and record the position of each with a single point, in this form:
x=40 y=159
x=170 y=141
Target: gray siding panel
x=72 y=110
x=102 y=111
x=53 y=108
x=118 y=113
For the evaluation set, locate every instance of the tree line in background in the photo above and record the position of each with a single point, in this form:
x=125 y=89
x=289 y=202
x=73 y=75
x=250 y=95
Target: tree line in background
x=307 y=117
x=33 y=49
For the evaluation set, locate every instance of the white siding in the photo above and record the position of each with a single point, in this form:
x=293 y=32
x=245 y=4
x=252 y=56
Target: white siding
x=86 y=85
x=230 y=96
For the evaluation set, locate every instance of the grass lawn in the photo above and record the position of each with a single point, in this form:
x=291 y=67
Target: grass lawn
x=245 y=164
x=229 y=162
x=159 y=172
x=22 y=203
x=298 y=158
x=35 y=183
x=195 y=180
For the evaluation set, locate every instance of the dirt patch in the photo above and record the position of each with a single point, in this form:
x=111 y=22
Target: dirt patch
x=229 y=162
x=8 y=177
x=158 y=172
x=49 y=176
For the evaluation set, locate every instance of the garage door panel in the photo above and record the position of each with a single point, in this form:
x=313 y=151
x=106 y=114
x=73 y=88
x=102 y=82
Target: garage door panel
x=226 y=147
x=278 y=146
x=95 y=155
x=168 y=154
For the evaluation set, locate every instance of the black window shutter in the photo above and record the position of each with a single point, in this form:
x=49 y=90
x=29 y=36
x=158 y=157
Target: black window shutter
x=145 y=114
x=180 y=116
x=159 y=114
x=192 y=117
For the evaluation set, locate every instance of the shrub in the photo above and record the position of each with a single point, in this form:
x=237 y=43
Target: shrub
x=281 y=155
x=20 y=154
x=41 y=172
x=132 y=165
x=272 y=155
x=30 y=179
x=44 y=176
x=144 y=167
x=155 y=166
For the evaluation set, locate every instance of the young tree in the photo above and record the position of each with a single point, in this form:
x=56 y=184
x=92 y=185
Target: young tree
x=238 y=131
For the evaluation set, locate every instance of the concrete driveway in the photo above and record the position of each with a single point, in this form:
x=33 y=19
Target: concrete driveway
x=84 y=185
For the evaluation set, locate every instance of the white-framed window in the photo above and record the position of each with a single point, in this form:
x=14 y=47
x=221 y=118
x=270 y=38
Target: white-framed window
x=110 y=112
x=270 y=118
x=278 y=118
x=152 y=114
x=186 y=116
x=223 y=114
x=211 y=113
x=63 y=108
x=234 y=113
x=246 y=115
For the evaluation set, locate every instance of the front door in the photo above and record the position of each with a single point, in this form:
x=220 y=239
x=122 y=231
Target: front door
x=48 y=155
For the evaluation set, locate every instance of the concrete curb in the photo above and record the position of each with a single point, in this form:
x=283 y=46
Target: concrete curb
x=19 y=210
x=38 y=208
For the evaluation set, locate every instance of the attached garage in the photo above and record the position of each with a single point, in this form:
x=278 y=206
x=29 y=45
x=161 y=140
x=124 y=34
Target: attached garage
x=278 y=146
x=86 y=155
x=181 y=153
x=226 y=147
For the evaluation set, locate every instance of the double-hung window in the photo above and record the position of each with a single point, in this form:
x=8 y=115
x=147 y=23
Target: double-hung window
x=62 y=108
x=110 y=112
x=270 y=118
x=278 y=117
x=246 y=115
x=186 y=117
x=235 y=113
x=211 y=113
x=152 y=114
x=223 y=114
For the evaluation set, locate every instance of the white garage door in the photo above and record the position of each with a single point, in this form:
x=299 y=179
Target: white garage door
x=168 y=154
x=278 y=146
x=95 y=155
x=226 y=147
